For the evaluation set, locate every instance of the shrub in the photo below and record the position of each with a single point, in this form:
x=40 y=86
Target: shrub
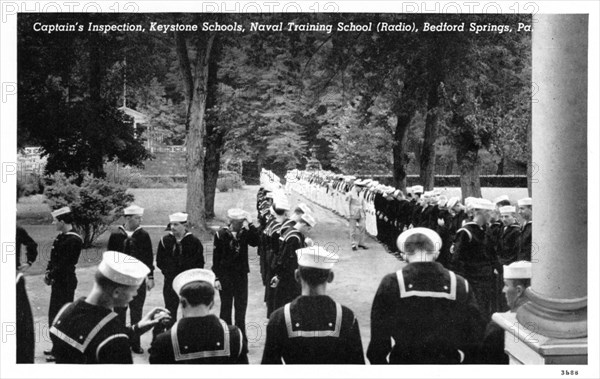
x=29 y=184
x=95 y=203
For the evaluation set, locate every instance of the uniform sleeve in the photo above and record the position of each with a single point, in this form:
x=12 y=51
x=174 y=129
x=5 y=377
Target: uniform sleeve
x=146 y=252
x=272 y=355
x=356 y=355
x=253 y=235
x=161 y=255
x=161 y=351
x=382 y=318
x=115 y=242
x=458 y=256
x=24 y=238
x=217 y=255
x=242 y=358
x=72 y=250
x=114 y=349
x=475 y=324
x=199 y=254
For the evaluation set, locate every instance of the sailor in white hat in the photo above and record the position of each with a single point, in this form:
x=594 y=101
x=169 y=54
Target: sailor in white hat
x=88 y=330
x=198 y=337
x=60 y=272
x=230 y=264
x=526 y=213
x=283 y=281
x=511 y=233
x=177 y=251
x=313 y=328
x=131 y=239
x=429 y=312
x=517 y=278
x=356 y=215
x=473 y=258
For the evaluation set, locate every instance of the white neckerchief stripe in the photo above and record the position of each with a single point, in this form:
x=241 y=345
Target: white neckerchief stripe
x=179 y=356
x=443 y=295
x=82 y=346
x=313 y=333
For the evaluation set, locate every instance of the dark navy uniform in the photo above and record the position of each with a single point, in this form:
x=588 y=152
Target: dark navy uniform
x=139 y=246
x=87 y=333
x=472 y=258
x=200 y=340
x=174 y=257
x=508 y=245
x=23 y=238
x=525 y=242
x=429 y=311
x=61 y=271
x=25 y=328
x=492 y=349
x=313 y=330
x=230 y=265
x=271 y=249
x=286 y=264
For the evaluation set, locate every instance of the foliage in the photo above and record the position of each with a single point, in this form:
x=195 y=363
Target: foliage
x=95 y=203
x=29 y=184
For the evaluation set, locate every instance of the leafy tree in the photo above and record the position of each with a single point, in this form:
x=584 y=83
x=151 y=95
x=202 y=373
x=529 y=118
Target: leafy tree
x=95 y=203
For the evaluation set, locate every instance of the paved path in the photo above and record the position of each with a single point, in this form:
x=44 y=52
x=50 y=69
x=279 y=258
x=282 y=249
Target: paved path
x=357 y=276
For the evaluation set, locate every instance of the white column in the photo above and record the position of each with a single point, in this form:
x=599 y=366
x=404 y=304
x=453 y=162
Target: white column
x=552 y=326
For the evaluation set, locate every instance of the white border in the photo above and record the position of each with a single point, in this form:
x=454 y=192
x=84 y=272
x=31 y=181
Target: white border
x=8 y=193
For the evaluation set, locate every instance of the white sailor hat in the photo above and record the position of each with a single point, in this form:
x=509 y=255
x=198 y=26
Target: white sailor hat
x=316 y=257
x=518 y=270
x=237 y=214
x=304 y=208
x=122 y=268
x=360 y=182
x=397 y=192
x=61 y=211
x=453 y=201
x=270 y=195
x=501 y=198
x=281 y=202
x=469 y=200
x=442 y=201
x=417 y=189
x=178 y=217
x=133 y=210
x=193 y=275
x=525 y=201
x=482 y=204
x=411 y=240
x=507 y=209
x=309 y=219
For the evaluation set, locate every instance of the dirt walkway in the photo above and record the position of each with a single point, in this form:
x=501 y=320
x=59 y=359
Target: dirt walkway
x=357 y=276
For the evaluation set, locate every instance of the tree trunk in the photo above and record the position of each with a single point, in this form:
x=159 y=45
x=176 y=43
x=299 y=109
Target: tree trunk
x=469 y=164
x=214 y=138
x=196 y=132
x=500 y=169
x=427 y=163
x=399 y=150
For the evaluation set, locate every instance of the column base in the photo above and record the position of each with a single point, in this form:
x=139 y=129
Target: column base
x=526 y=347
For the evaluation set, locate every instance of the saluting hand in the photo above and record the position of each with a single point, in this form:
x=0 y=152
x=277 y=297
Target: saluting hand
x=218 y=286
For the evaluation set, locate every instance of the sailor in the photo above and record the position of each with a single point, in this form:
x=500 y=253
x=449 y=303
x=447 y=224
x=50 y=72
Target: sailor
x=88 y=330
x=272 y=236
x=25 y=333
x=314 y=328
x=177 y=252
x=60 y=272
x=230 y=264
x=429 y=311
x=508 y=247
x=525 y=211
x=356 y=215
x=131 y=239
x=283 y=281
x=472 y=258
x=517 y=278
x=199 y=337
